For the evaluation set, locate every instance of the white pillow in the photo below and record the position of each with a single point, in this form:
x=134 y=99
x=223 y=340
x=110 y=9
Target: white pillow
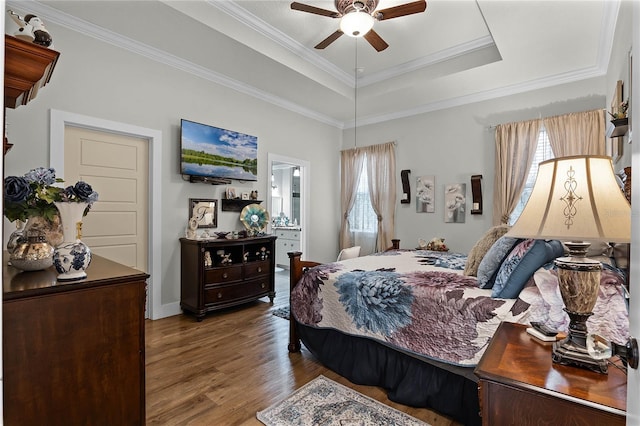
x=349 y=253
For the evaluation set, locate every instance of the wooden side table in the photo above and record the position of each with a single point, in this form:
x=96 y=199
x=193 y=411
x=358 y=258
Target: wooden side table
x=520 y=385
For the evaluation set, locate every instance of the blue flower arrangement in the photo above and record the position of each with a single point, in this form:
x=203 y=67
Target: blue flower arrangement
x=34 y=194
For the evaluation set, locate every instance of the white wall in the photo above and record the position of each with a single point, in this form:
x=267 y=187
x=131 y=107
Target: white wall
x=456 y=143
x=99 y=80
x=619 y=70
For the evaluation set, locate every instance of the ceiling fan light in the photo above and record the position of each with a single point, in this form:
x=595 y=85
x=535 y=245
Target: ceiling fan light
x=356 y=24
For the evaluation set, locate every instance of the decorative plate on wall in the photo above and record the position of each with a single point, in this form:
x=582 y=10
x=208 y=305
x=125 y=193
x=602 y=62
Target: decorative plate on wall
x=255 y=218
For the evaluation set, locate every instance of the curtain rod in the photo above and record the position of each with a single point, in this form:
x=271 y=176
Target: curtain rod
x=395 y=143
x=540 y=117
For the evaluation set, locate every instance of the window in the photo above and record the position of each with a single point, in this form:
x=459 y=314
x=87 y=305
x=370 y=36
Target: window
x=543 y=153
x=362 y=218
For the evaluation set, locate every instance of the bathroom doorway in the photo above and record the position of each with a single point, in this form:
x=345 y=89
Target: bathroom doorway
x=287 y=203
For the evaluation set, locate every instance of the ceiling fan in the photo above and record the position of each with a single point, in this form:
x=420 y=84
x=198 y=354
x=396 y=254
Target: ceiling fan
x=358 y=17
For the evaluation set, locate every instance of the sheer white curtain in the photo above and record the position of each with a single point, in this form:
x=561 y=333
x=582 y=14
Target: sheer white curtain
x=350 y=168
x=380 y=172
x=578 y=133
x=515 y=148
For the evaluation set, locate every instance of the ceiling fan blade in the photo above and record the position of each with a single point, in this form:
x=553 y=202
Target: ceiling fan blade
x=327 y=41
x=315 y=10
x=376 y=41
x=401 y=10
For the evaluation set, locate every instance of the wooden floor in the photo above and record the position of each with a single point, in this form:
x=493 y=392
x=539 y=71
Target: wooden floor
x=222 y=370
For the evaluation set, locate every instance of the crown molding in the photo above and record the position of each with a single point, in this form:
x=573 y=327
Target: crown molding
x=605 y=46
x=250 y=20
x=610 y=15
x=486 y=95
x=76 y=24
x=427 y=61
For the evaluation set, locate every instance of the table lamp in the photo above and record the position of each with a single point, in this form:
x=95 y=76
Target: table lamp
x=576 y=200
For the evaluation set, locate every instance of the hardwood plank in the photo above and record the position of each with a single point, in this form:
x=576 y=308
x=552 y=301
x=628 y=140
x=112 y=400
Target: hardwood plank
x=232 y=364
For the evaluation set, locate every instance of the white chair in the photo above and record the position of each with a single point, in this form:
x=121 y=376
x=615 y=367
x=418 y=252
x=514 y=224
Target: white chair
x=349 y=253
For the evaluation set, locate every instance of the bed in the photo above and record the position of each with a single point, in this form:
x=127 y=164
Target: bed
x=411 y=322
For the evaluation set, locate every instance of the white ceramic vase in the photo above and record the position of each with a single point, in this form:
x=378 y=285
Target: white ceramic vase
x=72 y=257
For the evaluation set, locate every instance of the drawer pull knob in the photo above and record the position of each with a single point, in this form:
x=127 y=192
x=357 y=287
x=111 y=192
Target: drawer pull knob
x=259 y=268
x=263 y=285
x=219 y=295
x=225 y=275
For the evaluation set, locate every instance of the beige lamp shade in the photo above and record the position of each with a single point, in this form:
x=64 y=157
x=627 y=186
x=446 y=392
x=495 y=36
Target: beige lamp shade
x=576 y=198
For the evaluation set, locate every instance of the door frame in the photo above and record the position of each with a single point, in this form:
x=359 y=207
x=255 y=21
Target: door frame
x=305 y=179
x=58 y=121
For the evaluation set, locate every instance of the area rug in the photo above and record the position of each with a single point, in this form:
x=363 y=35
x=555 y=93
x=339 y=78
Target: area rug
x=282 y=312
x=325 y=402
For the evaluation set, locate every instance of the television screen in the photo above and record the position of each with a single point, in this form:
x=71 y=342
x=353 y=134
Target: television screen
x=209 y=151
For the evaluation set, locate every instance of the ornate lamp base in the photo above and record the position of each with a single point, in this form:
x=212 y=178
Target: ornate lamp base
x=572 y=350
x=579 y=280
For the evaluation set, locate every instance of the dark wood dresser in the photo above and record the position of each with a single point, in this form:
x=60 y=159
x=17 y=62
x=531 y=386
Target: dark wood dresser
x=219 y=273
x=73 y=353
x=520 y=385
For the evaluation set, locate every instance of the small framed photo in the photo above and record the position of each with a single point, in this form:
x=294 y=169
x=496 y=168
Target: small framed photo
x=245 y=195
x=231 y=193
x=204 y=212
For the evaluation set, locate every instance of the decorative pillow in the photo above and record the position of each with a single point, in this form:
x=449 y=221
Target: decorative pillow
x=520 y=265
x=491 y=261
x=481 y=248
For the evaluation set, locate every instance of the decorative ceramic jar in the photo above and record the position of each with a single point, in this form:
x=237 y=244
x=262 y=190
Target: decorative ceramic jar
x=32 y=254
x=72 y=257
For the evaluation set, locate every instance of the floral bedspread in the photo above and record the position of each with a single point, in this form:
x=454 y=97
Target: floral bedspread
x=420 y=302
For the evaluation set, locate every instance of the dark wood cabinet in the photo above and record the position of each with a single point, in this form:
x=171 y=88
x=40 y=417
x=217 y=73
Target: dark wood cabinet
x=220 y=273
x=520 y=385
x=73 y=353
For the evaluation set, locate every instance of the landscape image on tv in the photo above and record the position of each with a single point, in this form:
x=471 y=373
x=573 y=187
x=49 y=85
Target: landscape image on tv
x=214 y=152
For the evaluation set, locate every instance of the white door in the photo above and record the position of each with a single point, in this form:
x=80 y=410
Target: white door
x=116 y=166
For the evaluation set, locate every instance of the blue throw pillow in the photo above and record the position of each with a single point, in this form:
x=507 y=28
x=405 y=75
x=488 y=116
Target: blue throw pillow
x=521 y=264
x=491 y=261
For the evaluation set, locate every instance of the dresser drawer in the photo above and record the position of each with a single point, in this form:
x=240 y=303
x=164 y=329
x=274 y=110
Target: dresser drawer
x=255 y=269
x=233 y=292
x=222 y=275
x=285 y=246
x=288 y=234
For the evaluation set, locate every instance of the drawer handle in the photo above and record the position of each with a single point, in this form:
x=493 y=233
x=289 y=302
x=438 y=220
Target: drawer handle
x=219 y=295
x=263 y=285
x=225 y=275
x=259 y=268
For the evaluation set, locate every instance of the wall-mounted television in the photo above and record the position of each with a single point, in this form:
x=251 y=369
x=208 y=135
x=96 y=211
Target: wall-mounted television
x=211 y=152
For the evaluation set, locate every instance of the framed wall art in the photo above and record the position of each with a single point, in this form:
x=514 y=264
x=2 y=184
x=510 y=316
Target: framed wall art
x=204 y=211
x=425 y=194
x=455 y=200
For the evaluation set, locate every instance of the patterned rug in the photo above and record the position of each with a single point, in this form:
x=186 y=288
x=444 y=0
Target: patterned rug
x=325 y=402
x=282 y=312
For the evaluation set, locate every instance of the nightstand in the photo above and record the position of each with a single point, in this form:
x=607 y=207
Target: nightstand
x=520 y=385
